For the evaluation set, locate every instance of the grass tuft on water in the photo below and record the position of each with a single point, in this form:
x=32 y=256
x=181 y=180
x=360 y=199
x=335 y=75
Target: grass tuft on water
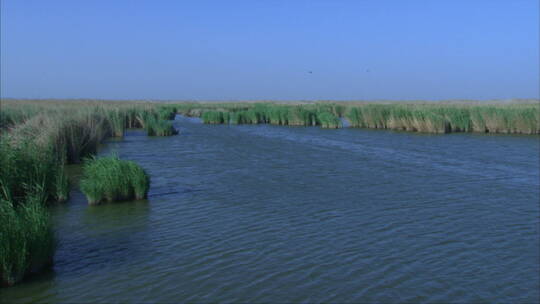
x=159 y=127
x=109 y=179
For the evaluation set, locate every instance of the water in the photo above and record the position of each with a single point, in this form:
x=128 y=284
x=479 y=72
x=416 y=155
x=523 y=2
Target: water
x=286 y=214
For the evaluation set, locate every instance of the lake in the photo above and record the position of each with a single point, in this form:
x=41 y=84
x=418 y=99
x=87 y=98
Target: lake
x=260 y=213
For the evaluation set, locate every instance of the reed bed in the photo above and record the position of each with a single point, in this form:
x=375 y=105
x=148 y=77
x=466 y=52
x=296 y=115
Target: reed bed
x=520 y=117
x=29 y=169
x=327 y=120
x=166 y=112
x=517 y=119
x=159 y=127
x=31 y=175
x=215 y=117
x=37 y=138
x=284 y=115
x=28 y=242
x=109 y=179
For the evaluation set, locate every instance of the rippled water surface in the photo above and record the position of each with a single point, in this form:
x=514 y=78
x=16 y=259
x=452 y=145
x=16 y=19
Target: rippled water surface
x=285 y=214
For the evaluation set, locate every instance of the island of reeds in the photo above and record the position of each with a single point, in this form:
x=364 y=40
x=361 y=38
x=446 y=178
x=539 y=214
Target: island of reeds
x=109 y=179
x=39 y=137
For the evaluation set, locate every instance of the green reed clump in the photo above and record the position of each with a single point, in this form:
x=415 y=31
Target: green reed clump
x=134 y=117
x=166 y=112
x=13 y=116
x=159 y=127
x=429 y=121
x=251 y=117
x=525 y=121
x=328 y=120
x=214 y=117
x=226 y=117
x=117 y=121
x=278 y=115
x=26 y=167
x=301 y=116
x=433 y=118
x=109 y=179
x=142 y=117
x=458 y=119
x=430 y=117
x=80 y=134
x=244 y=117
x=339 y=110
x=62 y=186
x=285 y=115
x=493 y=119
x=27 y=239
x=236 y=118
x=72 y=136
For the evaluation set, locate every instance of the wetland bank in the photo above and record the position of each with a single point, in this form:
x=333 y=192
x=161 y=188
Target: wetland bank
x=242 y=208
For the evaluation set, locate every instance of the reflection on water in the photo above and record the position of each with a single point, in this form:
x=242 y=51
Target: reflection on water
x=284 y=214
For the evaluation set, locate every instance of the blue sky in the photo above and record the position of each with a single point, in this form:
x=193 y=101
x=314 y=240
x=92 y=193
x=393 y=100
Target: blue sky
x=233 y=50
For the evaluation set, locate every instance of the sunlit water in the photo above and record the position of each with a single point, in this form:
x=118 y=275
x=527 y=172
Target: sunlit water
x=292 y=214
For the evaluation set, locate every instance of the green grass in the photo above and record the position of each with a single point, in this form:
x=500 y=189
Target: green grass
x=37 y=138
x=284 y=115
x=166 y=112
x=214 y=117
x=109 y=179
x=519 y=117
x=328 y=120
x=27 y=239
x=117 y=121
x=447 y=118
x=159 y=127
x=26 y=167
x=415 y=117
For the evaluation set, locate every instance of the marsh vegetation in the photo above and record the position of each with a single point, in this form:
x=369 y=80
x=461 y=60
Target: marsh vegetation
x=519 y=117
x=109 y=179
x=38 y=138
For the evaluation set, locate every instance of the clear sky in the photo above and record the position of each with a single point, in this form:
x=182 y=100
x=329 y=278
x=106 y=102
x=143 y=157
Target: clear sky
x=232 y=50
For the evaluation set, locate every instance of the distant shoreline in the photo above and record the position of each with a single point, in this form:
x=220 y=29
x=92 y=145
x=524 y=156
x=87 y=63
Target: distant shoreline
x=279 y=101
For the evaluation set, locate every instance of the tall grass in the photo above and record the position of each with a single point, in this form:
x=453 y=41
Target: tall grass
x=36 y=140
x=488 y=117
x=117 y=120
x=26 y=168
x=214 y=117
x=109 y=179
x=328 y=120
x=524 y=119
x=166 y=112
x=159 y=127
x=11 y=117
x=27 y=240
x=284 y=115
